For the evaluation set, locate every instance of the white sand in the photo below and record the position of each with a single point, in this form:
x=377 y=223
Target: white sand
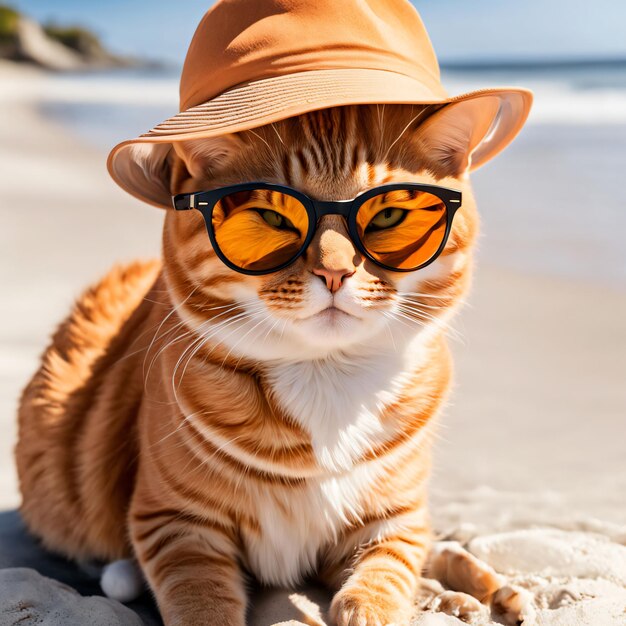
x=531 y=467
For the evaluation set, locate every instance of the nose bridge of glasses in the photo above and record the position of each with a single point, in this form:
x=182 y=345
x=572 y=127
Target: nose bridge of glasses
x=332 y=207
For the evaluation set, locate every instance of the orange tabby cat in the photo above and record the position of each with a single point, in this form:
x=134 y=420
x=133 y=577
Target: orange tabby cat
x=209 y=423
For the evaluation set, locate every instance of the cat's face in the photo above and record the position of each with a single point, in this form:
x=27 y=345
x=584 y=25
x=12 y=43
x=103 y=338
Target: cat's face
x=331 y=298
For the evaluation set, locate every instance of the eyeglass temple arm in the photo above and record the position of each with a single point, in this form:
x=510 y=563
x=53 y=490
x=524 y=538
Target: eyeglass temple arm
x=184 y=201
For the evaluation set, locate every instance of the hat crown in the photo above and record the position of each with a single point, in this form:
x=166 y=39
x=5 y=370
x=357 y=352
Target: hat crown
x=245 y=40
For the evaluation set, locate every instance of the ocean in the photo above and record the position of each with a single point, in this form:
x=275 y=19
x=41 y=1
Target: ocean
x=551 y=203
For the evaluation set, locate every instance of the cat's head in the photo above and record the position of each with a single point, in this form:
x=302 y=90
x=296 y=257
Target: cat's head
x=331 y=298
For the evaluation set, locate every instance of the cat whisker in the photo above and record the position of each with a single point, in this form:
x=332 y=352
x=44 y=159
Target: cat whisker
x=417 y=294
x=437 y=321
x=163 y=348
x=190 y=331
x=145 y=348
x=234 y=347
x=174 y=309
x=171 y=343
x=389 y=331
x=261 y=139
x=448 y=299
x=410 y=123
x=424 y=321
x=249 y=312
x=437 y=307
x=197 y=345
x=160 y=441
x=400 y=317
x=265 y=319
x=273 y=127
x=174 y=341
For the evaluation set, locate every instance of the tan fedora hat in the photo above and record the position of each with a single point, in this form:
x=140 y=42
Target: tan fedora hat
x=253 y=62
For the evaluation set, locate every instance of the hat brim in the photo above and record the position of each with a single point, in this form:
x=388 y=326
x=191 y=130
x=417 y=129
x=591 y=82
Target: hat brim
x=136 y=163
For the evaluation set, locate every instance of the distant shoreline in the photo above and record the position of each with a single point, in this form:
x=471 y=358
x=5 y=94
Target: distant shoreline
x=533 y=64
x=452 y=65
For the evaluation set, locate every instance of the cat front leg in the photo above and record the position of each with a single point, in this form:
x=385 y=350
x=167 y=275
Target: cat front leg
x=381 y=588
x=191 y=566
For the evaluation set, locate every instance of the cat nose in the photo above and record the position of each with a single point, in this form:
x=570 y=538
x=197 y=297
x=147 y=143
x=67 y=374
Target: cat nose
x=333 y=277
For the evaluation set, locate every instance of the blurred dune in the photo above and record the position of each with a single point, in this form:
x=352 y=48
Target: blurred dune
x=53 y=47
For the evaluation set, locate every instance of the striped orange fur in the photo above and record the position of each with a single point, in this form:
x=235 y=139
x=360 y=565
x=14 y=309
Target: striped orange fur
x=211 y=424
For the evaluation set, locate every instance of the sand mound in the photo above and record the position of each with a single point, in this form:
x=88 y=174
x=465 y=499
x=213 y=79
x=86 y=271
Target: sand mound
x=27 y=597
x=570 y=578
x=553 y=553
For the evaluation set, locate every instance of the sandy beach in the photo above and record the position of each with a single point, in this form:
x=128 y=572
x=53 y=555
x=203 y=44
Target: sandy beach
x=533 y=437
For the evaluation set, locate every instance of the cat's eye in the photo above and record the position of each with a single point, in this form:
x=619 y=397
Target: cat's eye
x=402 y=228
x=275 y=219
x=391 y=216
x=241 y=236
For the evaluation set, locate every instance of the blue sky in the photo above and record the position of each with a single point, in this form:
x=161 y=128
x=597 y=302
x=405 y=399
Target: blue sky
x=460 y=29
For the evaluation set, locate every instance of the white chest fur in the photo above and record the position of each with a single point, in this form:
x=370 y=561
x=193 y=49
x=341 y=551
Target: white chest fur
x=339 y=403
x=296 y=524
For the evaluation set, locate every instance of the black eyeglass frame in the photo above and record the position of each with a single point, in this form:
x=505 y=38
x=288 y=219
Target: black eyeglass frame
x=205 y=201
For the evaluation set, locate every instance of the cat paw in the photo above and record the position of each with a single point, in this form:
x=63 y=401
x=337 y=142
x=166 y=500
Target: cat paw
x=513 y=605
x=457 y=569
x=356 y=606
x=461 y=605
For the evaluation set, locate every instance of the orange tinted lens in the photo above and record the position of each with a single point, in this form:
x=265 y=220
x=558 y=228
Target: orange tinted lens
x=261 y=229
x=402 y=229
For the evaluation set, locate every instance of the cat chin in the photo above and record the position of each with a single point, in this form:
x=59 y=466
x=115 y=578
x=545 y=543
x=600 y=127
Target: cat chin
x=334 y=329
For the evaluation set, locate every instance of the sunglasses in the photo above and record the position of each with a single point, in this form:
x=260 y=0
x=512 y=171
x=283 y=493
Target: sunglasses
x=260 y=228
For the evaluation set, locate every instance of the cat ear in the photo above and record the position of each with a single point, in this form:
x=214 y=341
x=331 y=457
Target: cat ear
x=463 y=135
x=154 y=171
x=203 y=156
x=149 y=169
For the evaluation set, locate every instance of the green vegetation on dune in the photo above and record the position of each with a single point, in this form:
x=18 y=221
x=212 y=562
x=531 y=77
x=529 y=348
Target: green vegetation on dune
x=77 y=38
x=9 y=20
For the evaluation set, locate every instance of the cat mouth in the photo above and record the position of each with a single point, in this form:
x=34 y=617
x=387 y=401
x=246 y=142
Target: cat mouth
x=332 y=314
